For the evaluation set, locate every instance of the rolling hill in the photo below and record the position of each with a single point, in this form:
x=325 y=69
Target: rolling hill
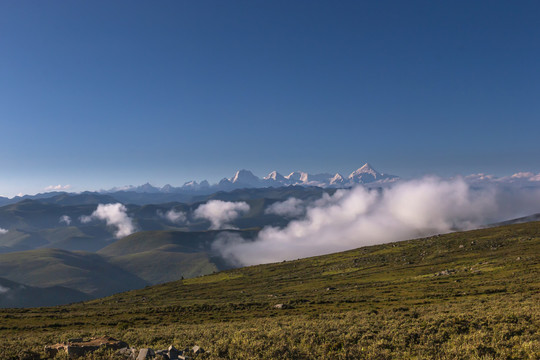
x=141 y=259
x=468 y=294
x=161 y=256
x=13 y=294
x=85 y=272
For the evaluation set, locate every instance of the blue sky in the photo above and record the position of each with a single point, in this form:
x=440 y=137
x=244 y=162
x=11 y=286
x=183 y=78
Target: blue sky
x=103 y=93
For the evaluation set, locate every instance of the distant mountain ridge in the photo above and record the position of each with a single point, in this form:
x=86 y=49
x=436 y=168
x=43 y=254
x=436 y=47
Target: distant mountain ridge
x=246 y=179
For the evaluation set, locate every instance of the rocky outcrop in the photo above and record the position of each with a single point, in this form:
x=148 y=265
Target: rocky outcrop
x=78 y=347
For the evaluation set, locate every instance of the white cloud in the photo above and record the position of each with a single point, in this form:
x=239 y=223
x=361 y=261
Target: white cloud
x=4 y=289
x=65 y=219
x=3 y=231
x=219 y=213
x=357 y=217
x=173 y=216
x=114 y=215
x=57 y=187
x=517 y=179
x=526 y=176
x=85 y=219
x=291 y=207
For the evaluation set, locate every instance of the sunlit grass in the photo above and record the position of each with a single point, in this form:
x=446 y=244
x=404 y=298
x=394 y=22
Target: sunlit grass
x=420 y=299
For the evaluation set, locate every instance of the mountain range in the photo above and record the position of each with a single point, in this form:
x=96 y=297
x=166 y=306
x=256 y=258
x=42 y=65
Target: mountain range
x=193 y=191
x=246 y=179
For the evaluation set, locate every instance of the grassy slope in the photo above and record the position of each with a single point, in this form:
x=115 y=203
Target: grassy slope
x=86 y=272
x=151 y=240
x=165 y=264
x=13 y=294
x=161 y=256
x=386 y=301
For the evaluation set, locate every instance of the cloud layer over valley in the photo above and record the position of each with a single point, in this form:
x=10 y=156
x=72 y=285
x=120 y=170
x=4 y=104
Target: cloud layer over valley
x=114 y=215
x=291 y=207
x=65 y=219
x=176 y=217
x=220 y=213
x=357 y=217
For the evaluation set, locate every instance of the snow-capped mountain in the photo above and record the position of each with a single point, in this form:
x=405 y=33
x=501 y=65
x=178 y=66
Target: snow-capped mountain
x=246 y=179
x=367 y=174
x=337 y=180
x=297 y=177
x=274 y=176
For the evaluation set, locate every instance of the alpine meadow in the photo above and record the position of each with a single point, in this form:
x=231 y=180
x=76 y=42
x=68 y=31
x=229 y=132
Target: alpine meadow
x=190 y=180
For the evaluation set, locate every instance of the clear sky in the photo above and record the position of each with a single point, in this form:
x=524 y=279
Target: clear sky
x=103 y=93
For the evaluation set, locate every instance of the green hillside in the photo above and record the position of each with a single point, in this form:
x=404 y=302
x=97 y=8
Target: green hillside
x=13 y=294
x=193 y=241
x=163 y=265
x=162 y=256
x=467 y=295
x=143 y=258
x=85 y=272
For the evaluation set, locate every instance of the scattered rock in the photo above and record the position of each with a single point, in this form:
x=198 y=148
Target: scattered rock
x=146 y=353
x=162 y=354
x=128 y=353
x=80 y=348
x=461 y=246
x=280 y=306
x=197 y=350
x=173 y=353
x=445 y=272
x=330 y=288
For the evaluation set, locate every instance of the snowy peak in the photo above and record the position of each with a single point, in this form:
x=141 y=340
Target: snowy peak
x=365 y=169
x=245 y=177
x=147 y=188
x=367 y=174
x=275 y=176
x=337 y=179
x=224 y=181
x=297 y=177
x=190 y=184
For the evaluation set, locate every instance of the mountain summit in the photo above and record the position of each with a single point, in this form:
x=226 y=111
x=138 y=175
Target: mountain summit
x=274 y=176
x=367 y=174
x=245 y=177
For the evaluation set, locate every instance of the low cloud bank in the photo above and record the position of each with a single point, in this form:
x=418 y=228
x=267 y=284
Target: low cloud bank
x=58 y=187
x=291 y=207
x=220 y=213
x=65 y=219
x=357 y=217
x=177 y=217
x=3 y=231
x=4 y=289
x=114 y=215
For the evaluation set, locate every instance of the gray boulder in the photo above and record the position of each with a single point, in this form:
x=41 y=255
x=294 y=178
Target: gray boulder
x=146 y=353
x=173 y=353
